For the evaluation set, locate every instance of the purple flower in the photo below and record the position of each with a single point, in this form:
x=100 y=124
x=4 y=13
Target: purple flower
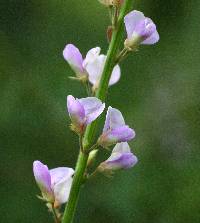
x=54 y=184
x=115 y=130
x=91 y=67
x=95 y=66
x=140 y=29
x=83 y=111
x=121 y=158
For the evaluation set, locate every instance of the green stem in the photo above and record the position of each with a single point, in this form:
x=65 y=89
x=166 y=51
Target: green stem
x=75 y=189
x=110 y=63
x=55 y=215
x=91 y=129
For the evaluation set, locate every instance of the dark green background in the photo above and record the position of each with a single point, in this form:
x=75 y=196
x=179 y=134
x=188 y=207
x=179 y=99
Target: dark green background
x=159 y=95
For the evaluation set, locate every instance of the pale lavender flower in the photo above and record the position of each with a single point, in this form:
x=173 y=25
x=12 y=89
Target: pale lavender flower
x=115 y=130
x=95 y=66
x=91 y=67
x=121 y=158
x=83 y=111
x=140 y=29
x=54 y=184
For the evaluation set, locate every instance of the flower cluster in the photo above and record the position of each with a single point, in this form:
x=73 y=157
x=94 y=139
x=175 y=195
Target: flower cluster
x=83 y=111
x=55 y=184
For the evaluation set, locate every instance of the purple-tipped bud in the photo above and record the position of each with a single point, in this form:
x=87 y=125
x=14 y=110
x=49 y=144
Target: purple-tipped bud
x=54 y=184
x=121 y=158
x=140 y=30
x=115 y=130
x=83 y=111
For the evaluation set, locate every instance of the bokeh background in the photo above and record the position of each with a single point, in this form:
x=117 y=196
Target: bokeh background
x=159 y=95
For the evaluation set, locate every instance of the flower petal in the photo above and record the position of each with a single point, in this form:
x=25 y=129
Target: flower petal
x=122 y=147
x=63 y=181
x=114 y=119
x=91 y=56
x=93 y=108
x=154 y=38
x=73 y=56
x=131 y=20
x=43 y=179
x=76 y=110
x=120 y=134
x=60 y=173
x=120 y=161
x=115 y=76
x=95 y=69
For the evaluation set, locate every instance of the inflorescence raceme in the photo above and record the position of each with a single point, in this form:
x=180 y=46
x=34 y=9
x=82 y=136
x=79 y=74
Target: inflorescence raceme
x=55 y=184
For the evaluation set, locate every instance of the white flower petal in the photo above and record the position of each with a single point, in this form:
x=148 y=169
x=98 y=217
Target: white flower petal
x=122 y=147
x=62 y=190
x=115 y=76
x=95 y=69
x=91 y=56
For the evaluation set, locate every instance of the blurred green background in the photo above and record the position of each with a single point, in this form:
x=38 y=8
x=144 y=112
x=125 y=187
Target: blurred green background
x=159 y=95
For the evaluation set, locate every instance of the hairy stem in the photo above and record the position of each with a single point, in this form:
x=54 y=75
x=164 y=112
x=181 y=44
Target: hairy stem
x=91 y=129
